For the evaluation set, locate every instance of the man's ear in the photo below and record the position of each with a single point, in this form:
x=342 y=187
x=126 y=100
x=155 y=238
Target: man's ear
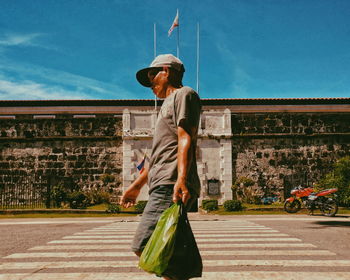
x=166 y=70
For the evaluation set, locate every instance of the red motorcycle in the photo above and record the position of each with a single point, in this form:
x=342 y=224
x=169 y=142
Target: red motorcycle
x=324 y=200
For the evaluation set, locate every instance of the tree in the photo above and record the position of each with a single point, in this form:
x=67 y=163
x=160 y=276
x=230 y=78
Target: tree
x=339 y=178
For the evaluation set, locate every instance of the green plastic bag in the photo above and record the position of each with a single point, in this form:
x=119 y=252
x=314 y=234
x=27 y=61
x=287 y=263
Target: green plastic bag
x=186 y=261
x=160 y=247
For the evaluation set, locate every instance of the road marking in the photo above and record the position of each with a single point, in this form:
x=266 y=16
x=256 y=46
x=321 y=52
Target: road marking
x=198 y=236
x=282 y=263
x=80 y=247
x=211 y=237
x=244 y=275
x=195 y=231
x=127 y=241
x=206 y=263
x=201 y=246
x=256 y=245
x=56 y=221
x=269 y=253
x=203 y=253
x=217 y=228
x=227 y=227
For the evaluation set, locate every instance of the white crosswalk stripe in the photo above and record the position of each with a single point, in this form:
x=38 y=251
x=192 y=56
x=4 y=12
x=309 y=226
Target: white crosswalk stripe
x=230 y=250
x=207 y=263
x=264 y=275
x=198 y=236
x=203 y=253
x=199 y=240
x=201 y=246
x=198 y=232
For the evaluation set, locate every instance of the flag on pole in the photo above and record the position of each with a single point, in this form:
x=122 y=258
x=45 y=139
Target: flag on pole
x=175 y=23
x=141 y=165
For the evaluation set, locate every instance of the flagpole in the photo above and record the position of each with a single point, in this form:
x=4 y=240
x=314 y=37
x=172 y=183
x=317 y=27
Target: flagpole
x=155 y=54
x=155 y=39
x=178 y=37
x=198 y=57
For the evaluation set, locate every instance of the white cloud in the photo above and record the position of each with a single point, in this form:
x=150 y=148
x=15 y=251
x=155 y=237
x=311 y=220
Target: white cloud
x=30 y=90
x=24 y=40
x=19 y=80
x=19 y=39
x=36 y=82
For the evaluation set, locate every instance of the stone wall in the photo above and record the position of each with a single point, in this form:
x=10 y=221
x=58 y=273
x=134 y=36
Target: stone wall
x=65 y=125
x=282 y=150
x=64 y=149
x=290 y=123
x=277 y=150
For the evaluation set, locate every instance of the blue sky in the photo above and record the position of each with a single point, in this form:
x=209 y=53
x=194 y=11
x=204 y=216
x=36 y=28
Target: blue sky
x=91 y=49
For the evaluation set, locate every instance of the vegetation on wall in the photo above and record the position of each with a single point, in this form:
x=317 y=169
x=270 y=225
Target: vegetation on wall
x=339 y=178
x=243 y=190
x=73 y=197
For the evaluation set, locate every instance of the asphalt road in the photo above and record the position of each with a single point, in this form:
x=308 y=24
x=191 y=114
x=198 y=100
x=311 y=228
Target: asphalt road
x=326 y=233
x=282 y=247
x=18 y=235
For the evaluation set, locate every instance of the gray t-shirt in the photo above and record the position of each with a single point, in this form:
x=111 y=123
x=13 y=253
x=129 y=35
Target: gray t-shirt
x=183 y=105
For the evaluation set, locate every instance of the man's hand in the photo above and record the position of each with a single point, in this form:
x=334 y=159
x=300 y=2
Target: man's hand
x=181 y=192
x=129 y=197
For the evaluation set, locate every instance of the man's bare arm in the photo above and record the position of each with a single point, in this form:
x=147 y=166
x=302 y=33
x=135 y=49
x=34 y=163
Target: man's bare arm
x=130 y=195
x=180 y=188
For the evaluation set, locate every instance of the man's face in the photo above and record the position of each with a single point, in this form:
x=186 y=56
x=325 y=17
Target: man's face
x=158 y=78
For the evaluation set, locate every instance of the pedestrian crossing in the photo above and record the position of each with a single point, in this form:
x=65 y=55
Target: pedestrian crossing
x=232 y=249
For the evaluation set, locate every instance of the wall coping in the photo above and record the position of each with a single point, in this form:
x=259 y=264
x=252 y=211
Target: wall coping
x=236 y=105
x=150 y=102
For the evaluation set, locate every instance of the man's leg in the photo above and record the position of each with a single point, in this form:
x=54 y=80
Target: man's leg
x=159 y=200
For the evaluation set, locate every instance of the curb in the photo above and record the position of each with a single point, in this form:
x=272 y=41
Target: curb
x=61 y=211
x=86 y=211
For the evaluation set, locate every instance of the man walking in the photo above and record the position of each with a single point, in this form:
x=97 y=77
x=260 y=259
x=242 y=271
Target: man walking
x=172 y=171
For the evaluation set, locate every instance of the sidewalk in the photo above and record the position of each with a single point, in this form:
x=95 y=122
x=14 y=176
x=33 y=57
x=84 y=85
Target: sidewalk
x=201 y=215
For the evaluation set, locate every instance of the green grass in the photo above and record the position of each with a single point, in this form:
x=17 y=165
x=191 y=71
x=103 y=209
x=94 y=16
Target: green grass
x=252 y=209
x=102 y=206
x=262 y=206
x=65 y=213
x=249 y=209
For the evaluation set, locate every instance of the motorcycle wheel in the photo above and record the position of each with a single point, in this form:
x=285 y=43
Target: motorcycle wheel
x=329 y=208
x=292 y=207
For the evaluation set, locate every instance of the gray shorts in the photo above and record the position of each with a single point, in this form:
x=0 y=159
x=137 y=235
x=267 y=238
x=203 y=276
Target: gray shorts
x=159 y=200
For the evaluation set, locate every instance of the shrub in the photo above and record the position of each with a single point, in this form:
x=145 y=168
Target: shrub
x=233 y=205
x=339 y=178
x=97 y=197
x=246 y=182
x=243 y=190
x=210 y=204
x=107 y=178
x=77 y=200
x=140 y=205
x=113 y=208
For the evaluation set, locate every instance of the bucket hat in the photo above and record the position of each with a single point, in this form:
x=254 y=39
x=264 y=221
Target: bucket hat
x=163 y=60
